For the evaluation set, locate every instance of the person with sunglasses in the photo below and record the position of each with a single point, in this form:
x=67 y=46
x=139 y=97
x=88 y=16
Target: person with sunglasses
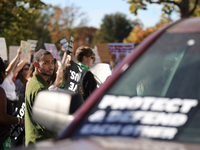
x=87 y=82
x=20 y=82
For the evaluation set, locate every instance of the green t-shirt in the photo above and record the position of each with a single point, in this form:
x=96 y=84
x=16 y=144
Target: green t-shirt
x=83 y=66
x=33 y=131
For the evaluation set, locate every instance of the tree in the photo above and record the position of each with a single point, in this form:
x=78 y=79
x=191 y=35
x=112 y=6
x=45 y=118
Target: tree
x=137 y=34
x=185 y=7
x=197 y=11
x=114 y=28
x=83 y=36
x=62 y=21
x=15 y=19
x=40 y=27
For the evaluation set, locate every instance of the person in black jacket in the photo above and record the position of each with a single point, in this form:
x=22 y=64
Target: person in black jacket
x=87 y=82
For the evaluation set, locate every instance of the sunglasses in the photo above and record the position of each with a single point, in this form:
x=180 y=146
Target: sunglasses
x=92 y=57
x=26 y=69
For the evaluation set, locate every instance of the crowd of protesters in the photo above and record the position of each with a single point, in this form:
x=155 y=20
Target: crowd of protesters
x=21 y=80
x=8 y=99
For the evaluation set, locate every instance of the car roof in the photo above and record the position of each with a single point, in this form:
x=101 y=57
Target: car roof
x=190 y=25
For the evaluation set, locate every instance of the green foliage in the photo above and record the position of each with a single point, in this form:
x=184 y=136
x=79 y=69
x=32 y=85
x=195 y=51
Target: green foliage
x=197 y=10
x=114 y=28
x=186 y=8
x=137 y=34
x=18 y=20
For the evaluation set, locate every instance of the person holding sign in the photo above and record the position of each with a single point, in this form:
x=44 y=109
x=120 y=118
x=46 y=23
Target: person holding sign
x=121 y=57
x=6 y=118
x=8 y=84
x=87 y=82
x=44 y=67
x=66 y=57
x=21 y=81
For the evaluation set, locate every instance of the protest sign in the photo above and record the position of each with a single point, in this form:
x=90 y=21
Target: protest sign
x=12 y=52
x=100 y=71
x=64 y=43
x=33 y=44
x=53 y=50
x=97 y=58
x=104 y=52
x=70 y=47
x=18 y=130
x=26 y=48
x=74 y=76
x=120 y=48
x=3 y=49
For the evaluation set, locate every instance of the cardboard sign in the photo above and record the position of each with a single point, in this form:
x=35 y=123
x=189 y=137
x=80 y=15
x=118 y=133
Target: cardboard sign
x=3 y=49
x=148 y=117
x=33 y=44
x=26 y=49
x=64 y=43
x=71 y=41
x=12 y=52
x=120 y=50
x=74 y=76
x=53 y=50
x=104 y=52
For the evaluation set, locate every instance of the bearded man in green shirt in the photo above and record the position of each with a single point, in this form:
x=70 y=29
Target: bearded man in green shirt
x=44 y=66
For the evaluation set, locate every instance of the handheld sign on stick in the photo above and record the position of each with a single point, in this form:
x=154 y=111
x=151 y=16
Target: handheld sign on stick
x=33 y=44
x=64 y=43
x=70 y=46
x=26 y=51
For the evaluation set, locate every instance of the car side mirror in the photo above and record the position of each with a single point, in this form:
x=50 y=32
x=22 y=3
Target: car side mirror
x=52 y=109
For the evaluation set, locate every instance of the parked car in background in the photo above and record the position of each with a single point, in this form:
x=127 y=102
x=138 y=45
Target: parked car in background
x=150 y=102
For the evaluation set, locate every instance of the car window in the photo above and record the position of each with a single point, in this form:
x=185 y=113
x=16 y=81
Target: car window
x=157 y=97
x=169 y=68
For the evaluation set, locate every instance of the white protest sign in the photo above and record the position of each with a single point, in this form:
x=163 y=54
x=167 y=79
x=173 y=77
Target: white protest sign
x=53 y=50
x=101 y=71
x=12 y=52
x=26 y=48
x=120 y=48
x=97 y=57
x=3 y=49
x=33 y=44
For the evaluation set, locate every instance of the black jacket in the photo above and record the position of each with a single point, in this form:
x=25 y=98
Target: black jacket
x=87 y=83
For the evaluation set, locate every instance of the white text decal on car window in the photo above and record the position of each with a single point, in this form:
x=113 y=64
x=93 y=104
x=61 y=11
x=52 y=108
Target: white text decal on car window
x=151 y=117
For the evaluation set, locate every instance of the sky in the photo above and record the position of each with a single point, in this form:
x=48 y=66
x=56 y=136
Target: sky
x=96 y=10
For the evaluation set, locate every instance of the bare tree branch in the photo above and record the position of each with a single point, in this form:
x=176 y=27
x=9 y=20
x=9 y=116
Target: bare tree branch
x=195 y=5
x=166 y=1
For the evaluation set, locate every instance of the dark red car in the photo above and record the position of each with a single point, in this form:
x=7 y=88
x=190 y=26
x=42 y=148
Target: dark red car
x=150 y=102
